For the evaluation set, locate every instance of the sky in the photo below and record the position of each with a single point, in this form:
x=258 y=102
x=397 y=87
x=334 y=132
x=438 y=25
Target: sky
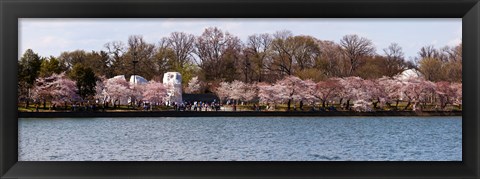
x=52 y=36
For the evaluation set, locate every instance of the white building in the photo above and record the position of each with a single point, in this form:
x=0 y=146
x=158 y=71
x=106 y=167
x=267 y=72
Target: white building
x=173 y=83
x=135 y=79
x=407 y=74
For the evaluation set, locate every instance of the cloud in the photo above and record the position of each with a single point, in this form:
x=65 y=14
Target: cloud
x=458 y=37
x=45 y=45
x=52 y=36
x=454 y=42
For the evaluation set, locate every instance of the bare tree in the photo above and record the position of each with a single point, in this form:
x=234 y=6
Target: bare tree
x=217 y=52
x=257 y=53
x=428 y=52
x=331 y=57
x=115 y=50
x=283 y=50
x=395 y=60
x=162 y=59
x=143 y=52
x=182 y=45
x=306 y=51
x=356 y=48
x=448 y=53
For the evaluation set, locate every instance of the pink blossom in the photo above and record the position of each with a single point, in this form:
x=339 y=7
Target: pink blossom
x=291 y=88
x=223 y=90
x=194 y=85
x=56 y=88
x=155 y=92
x=417 y=91
x=236 y=90
x=446 y=92
x=117 y=89
x=327 y=90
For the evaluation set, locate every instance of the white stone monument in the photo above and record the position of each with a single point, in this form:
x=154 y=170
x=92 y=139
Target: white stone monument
x=173 y=83
x=135 y=79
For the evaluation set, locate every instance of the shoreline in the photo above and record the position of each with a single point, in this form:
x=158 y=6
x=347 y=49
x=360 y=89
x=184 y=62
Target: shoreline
x=231 y=114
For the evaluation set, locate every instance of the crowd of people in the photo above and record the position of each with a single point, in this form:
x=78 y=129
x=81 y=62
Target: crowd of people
x=197 y=106
x=229 y=105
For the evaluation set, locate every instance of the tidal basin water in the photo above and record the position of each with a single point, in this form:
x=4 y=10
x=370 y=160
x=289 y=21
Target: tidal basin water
x=241 y=139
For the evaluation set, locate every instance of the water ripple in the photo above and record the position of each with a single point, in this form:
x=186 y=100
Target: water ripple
x=241 y=139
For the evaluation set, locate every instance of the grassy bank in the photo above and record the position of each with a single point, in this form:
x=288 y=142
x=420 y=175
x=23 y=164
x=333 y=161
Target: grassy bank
x=230 y=114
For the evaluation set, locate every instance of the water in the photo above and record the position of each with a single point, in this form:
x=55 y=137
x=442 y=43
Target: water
x=241 y=139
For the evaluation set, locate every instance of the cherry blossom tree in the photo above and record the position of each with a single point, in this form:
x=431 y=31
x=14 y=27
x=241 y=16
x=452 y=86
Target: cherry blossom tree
x=136 y=93
x=117 y=89
x=353 y=89
x=250 y=92
x=223 y=91
x=376 y=92
x=291 y=88
x=267 y=93
x=55 y=89
x=417 y=91
x=392 y=88
x=155 y=92
x=327 y=90
x=458 y=94
x=100 y=90
x=194 y=85
x=363 y=93
x=64 y=90
x=446 y=93
x=42 y=89
x=237 y=90
x=310 y=91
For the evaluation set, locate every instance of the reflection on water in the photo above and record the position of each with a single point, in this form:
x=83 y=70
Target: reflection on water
x=241 y=139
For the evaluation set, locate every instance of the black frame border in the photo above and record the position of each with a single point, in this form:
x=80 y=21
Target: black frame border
x=11 y=10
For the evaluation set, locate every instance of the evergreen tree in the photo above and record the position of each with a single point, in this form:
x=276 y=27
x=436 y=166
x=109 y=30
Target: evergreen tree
x=28 y=70
x=50 y=67
x=29 y=67
x=85 y=79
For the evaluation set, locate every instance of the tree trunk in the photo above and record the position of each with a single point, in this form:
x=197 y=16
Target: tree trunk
x=347 y=107
x=288 y=104
x=444 y=105
x=408 y=105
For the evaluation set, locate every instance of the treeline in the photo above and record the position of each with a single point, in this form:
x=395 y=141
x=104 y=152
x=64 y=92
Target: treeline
x=218 y=56
x=349 y=93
